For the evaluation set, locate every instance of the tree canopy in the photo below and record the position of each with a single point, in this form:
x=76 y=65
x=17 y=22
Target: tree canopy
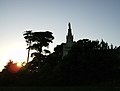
x=37 y=40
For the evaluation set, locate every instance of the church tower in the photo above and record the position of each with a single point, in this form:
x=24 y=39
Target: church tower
x=69 y=37
x=69 y=41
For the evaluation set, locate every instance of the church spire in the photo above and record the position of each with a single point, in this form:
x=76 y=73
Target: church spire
x=69 y=36
x=69 y=41
x=69 y=29
x=69 y=25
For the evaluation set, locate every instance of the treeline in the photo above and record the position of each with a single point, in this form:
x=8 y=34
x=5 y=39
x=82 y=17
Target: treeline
x=91 y=62
x=88 y=63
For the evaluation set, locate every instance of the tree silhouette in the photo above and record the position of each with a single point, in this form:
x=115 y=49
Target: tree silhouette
x=41 y=39
x=12 y=67
x=36 y=41
x=103 y=45
x=28 y=36
x=58 y=50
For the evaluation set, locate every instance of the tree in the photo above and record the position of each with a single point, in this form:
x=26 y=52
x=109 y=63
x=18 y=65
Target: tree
x=28 y=36
x=12 y=67
x=36 y=41
x=103 y=45
x=41 y=39
x=59 y=50
x=9 y=72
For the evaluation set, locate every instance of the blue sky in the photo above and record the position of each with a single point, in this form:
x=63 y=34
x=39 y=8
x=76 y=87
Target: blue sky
x=92 y=19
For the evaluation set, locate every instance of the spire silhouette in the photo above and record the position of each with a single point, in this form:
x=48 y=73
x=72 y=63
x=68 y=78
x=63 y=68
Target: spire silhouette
x=69 y=41
x=69 y=25
x=69 y=36
x=69 y=29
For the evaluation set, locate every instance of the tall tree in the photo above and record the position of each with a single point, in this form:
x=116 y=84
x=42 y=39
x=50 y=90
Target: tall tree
x=36 y=41
x=28 y=36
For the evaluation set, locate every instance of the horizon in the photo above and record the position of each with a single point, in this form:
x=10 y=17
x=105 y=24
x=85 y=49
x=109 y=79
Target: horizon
x=90 y=19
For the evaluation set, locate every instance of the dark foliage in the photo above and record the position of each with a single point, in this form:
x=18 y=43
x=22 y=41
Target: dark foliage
x=88 y=63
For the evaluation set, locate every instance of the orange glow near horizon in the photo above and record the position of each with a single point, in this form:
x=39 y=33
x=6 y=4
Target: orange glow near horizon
x=13 y=68
x=17 y=55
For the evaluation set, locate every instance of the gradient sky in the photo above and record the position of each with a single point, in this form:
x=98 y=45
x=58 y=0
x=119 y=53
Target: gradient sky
x=93 y=19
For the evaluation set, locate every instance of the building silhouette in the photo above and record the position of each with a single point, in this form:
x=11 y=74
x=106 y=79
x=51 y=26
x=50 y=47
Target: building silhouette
x=69 y=41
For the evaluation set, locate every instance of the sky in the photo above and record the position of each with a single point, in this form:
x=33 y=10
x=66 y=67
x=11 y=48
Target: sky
x=92 y=19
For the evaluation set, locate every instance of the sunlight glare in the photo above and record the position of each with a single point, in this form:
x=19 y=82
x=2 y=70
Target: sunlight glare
x=17 y=55
x=19 y=64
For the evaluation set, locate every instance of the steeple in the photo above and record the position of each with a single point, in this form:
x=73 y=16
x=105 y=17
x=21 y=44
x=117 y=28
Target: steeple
x=69 y=29
x=69 y=37
x=69 y=41
x=69 y=25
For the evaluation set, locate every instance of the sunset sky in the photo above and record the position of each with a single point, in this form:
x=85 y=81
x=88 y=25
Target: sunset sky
x=93 y=19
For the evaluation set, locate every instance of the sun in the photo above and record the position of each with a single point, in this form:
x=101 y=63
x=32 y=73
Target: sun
x=19 y=64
